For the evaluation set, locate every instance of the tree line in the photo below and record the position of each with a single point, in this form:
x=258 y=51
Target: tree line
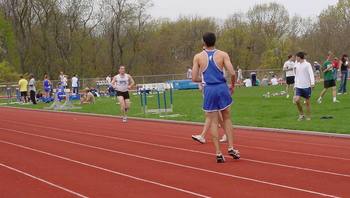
x=93 y=37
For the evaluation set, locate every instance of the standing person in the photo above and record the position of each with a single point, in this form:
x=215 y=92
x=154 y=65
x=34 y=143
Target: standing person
x=108 y=79
x=329 y=81
x=75 y=84
x=122 y=83
x=217 y=95
x=304 y=82
x=61 y=76
x=47 y=86
x=288 y=67
x=344 y=67
x=65 y=82
x=23 y=88
x=336 y=66
x=189 y=73
x=239 y=75
x=32 y=89
x=317 y=68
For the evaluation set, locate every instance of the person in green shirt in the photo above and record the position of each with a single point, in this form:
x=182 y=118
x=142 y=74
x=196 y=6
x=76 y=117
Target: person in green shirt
x=23 y=88
x=329 y=80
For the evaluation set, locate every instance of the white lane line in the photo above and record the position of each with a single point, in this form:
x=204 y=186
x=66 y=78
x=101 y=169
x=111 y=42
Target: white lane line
x=174 y=164
x=44 y=181
x=104 y=169
x=249 y=147
x=292 y=141
x=193 y=151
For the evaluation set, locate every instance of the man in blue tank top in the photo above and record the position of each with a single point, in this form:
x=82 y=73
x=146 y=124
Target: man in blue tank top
x=208 y=68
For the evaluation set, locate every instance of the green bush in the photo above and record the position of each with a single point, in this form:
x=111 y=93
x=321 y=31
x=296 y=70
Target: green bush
x=7 y=73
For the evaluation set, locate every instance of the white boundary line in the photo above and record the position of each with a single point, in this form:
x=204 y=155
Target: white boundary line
x=164 y=162
x=172 y=136
x=258 y=129
x=103 y=169
x=42 y=180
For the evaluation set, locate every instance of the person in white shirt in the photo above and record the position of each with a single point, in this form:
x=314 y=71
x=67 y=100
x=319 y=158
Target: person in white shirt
x=189 y=73
x=108 y=79
x=61 y=76
x=75 y=84
x=288 y=67
x=64 y=81
x=239 y=75
x=247 y=82
x=274 y=80
x=32 y=89
x=304 y=82
x=122 y=83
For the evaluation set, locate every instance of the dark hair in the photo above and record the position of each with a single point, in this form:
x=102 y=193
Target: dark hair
x=21 y=76
x=290 y=56
x=31 y=75
x=301 y=55
x=209 y=39
x=343 y=57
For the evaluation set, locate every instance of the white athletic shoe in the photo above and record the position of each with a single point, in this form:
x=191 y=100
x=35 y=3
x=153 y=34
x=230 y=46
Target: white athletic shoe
x=319 y=100
x=287 y=96
x=301 y=118
x=336 y=101
x=198 y=138
x=125 y=119
x=223 y=139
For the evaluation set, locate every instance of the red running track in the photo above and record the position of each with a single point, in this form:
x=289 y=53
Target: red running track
x=44 y=154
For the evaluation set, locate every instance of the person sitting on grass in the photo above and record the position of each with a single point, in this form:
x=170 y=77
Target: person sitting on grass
x=88 y=97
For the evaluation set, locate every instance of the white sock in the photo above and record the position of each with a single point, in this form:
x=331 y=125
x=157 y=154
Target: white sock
x=334 y=99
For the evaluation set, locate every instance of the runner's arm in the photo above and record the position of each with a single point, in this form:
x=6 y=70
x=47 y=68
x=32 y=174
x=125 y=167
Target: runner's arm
x=131 y=82
x=312 y=76
x=113 y=82
x=229 y=68
x=195 y=70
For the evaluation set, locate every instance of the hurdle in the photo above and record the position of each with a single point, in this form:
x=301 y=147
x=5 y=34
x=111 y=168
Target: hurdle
x=162 y=92
x=10 y=94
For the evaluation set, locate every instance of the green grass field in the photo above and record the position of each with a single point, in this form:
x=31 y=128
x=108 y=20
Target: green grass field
x=250 y=109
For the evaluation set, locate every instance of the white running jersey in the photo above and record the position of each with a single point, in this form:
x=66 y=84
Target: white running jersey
x=121 y=82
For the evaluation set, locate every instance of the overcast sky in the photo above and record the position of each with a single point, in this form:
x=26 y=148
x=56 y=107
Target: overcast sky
x=221 y=9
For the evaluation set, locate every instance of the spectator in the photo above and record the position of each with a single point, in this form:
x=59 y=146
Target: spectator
x=61 y=76
x=23 y=88
x=344 y=74
x=247 y=82
x=304 y=82
x=265 y=81
x=32 y=89
x=239 y=75
x=329 y=81
x=88 y=97
x=65 y=82
x=75 y=84
x=317 y=68
x=336 y=65
x=274 y=80
x=47 y=86
x=189 y=73
x=288 y=67
x=39 y=95
x=109 y=79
